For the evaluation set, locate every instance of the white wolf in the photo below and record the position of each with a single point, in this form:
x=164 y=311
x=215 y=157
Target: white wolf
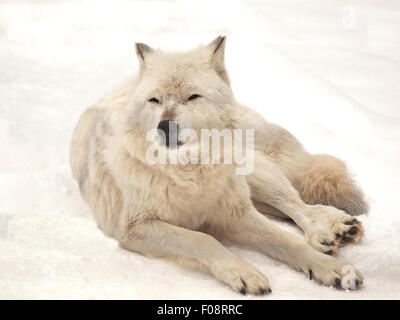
x=181 y=212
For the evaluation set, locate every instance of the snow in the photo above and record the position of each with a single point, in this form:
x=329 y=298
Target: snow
x=327 y=71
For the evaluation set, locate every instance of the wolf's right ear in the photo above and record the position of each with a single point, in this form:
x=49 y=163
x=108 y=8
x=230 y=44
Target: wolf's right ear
x=142 y=50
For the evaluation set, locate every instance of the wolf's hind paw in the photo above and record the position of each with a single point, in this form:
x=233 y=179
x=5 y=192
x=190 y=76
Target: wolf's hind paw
x=348 y=230
x=331 y=228
x=324 y=243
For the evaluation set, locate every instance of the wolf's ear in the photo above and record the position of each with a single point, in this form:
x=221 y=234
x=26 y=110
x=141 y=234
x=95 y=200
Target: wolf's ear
x=142 y=50
x=217 y=48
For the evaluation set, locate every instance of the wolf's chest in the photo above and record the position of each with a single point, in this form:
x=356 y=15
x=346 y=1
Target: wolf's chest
x=192 y=203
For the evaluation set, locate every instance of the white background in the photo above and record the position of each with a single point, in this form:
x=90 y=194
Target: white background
x=329 y=71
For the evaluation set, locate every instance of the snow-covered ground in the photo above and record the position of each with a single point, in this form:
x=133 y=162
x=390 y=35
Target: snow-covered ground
x=329 y=71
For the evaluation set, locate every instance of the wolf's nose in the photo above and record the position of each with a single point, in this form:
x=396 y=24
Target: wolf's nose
x=170 y=129
x=164 y=126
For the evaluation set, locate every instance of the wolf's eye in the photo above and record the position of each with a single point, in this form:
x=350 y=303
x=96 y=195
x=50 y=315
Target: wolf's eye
x=154 y=100
x=194 y=96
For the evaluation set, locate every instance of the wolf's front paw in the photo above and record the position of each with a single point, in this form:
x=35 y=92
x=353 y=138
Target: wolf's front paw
x=333 y=272
x=330 y=228
x=242 y=278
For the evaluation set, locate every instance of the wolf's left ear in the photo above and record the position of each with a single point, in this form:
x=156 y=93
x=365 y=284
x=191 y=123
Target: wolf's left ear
x=142 y=50
x=217 y=48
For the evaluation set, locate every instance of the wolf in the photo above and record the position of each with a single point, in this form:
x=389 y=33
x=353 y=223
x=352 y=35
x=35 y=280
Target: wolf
x=185 y=213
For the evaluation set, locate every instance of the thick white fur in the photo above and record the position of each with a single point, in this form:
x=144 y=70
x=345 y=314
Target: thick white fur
x=178 y=212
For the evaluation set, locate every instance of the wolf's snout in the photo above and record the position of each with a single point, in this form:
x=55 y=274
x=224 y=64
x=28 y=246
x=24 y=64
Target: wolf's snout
x=164 y=126
x=170 y=130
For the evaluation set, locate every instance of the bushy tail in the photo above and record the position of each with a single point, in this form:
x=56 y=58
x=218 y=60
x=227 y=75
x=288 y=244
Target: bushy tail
x=327 y=181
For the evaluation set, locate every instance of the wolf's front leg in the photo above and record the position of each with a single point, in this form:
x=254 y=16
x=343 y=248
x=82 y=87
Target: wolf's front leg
x=157 y=238
x=325 y=227
x=252 y=229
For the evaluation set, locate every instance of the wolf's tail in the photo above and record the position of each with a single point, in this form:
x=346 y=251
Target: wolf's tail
x=326 y=181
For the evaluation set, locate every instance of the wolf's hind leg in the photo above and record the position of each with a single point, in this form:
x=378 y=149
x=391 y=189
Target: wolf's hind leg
x=160 y=239
x=326 y=181
x=325 y=227
x=267 y=209
x=253 y=230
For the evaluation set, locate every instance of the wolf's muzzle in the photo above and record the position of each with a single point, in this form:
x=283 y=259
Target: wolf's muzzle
x=169 y=133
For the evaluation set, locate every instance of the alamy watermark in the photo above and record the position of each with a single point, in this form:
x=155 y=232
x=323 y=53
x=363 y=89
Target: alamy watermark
x=349 y=280
x=4 y=219
x=213 y=146
x=349 y=17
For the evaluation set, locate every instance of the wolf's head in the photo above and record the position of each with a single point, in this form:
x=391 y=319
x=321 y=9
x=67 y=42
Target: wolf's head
x=183 y=90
